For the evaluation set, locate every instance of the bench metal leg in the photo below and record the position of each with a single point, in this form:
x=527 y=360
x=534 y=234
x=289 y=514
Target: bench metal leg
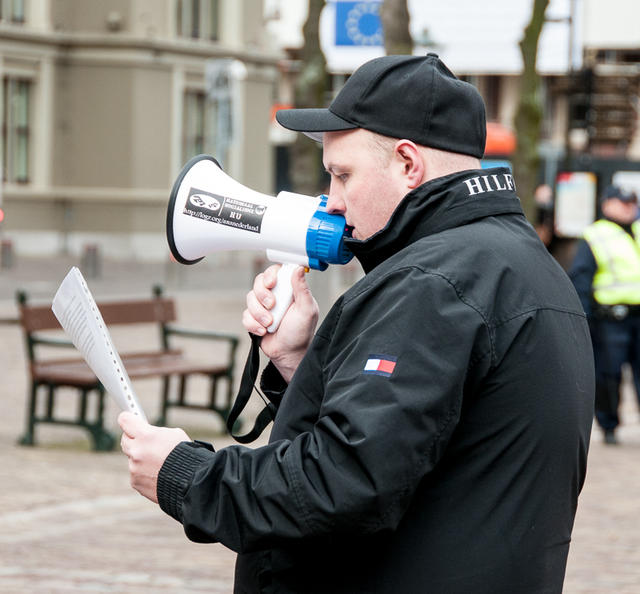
x=51 y=400
x=103 y=441
x=230 y=395
x=183 y=388
x=180 y=398
x=227 y=400
x=212 y=392
x=29 y=436
x=162 y=419
x=82 y=406
x=166 y=400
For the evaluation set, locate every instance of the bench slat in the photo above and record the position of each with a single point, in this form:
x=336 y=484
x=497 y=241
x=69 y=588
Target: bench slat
x=75 y=372
x=138 y=312
x=40 y=317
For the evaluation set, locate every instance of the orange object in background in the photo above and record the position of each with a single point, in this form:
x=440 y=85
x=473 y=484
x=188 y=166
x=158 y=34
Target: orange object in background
x=500 y=140
x=276 y=106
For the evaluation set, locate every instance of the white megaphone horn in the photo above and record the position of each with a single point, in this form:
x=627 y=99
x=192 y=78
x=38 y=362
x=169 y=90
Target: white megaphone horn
x=209 y=212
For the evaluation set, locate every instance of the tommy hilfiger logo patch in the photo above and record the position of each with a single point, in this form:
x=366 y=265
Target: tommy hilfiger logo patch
x=380 y=365
x=490 y=183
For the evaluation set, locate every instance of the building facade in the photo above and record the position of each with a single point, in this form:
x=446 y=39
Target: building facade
x=588 y=59
x=103 y=101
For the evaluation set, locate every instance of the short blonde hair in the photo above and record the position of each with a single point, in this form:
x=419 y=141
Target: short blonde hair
x=382 y=146
x=439 y=162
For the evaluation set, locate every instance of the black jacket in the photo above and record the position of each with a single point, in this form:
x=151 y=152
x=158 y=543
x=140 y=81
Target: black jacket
x=435 y=436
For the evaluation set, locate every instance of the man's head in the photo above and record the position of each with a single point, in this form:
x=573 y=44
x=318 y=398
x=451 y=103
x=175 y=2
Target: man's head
x=371 y=174
x=412 y=97
x=619 y=206
x=397 y=122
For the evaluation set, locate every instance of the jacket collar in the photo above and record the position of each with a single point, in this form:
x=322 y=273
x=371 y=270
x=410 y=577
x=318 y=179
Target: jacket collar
x=440 y=204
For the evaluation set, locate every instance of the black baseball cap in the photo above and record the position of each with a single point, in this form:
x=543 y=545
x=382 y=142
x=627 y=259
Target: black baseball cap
x=613 y=191
x=412 y=97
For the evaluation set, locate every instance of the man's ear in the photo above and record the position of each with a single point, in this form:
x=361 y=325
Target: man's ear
x=410 y=160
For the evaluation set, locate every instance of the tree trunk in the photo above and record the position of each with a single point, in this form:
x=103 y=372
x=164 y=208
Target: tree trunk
x=394 y=15
x=528 y=118
x=305 y=168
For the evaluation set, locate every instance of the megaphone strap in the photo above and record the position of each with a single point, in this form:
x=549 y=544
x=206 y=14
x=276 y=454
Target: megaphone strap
x=247 y=385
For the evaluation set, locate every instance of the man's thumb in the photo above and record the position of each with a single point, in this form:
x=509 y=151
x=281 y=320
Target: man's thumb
x=130 y=423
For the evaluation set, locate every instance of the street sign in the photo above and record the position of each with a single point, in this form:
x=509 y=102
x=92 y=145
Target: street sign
x=358 y=23
x=575 y=203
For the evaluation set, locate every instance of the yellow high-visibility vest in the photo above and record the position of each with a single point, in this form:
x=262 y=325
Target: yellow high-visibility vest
x=617 y=255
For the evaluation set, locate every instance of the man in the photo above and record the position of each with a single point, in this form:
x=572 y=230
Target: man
x=606 y=274
x=432 y=435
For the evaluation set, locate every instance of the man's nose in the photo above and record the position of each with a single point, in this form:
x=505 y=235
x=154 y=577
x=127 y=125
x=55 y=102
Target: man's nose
x=335 y=205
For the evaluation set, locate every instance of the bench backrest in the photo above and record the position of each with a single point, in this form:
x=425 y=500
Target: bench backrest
x=140 y=311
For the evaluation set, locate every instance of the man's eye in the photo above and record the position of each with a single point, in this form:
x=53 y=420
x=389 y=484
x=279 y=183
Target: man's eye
x=343 y=177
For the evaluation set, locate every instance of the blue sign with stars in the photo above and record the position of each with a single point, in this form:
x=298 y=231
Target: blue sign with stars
x=358 y=23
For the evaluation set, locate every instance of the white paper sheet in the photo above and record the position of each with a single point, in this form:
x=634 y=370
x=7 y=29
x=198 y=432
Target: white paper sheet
x=81 y=319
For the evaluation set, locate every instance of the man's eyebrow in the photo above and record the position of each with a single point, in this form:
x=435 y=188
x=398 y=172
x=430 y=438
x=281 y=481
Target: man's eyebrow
x=331 y=168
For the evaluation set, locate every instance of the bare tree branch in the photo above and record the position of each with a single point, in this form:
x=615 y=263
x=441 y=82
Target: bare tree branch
x=528 y=118
x=311 y=91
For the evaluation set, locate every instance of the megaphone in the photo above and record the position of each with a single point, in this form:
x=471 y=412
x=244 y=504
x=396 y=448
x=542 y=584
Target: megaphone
x=210 y=212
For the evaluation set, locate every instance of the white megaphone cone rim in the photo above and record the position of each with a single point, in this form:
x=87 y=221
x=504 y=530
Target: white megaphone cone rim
x=172 y=205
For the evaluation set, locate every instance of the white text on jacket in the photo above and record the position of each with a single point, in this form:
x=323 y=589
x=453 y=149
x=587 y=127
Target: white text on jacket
x=490 y=183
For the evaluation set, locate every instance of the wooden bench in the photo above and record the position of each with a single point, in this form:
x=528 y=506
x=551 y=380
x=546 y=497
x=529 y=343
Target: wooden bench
x=165 y=362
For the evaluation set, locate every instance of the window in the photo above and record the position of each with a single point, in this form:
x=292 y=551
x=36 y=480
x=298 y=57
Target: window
x=193 y=124
x=15 y=129
x=12 y=11
x=197 y=19
x=206 y=126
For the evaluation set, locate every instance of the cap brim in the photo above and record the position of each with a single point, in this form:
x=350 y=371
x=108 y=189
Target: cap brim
x=313 y=122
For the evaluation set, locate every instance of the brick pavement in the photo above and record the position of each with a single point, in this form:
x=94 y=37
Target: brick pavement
x=605 y=552
x=69 y=521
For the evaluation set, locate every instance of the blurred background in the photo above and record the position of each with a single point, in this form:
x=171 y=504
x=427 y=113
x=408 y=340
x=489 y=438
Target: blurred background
x=103 y=101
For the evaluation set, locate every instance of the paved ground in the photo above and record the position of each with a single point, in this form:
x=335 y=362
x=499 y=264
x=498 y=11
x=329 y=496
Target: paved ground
x=70 y=523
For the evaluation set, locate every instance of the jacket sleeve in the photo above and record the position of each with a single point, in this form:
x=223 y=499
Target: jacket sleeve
x=401 y=355
x=581 y=273
x=272 y=384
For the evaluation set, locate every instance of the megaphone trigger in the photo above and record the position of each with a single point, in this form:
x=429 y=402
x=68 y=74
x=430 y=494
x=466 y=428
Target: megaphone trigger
x=283 y=294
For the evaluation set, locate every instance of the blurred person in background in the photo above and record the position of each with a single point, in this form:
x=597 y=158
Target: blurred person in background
x=606 y=274
x=544 y=223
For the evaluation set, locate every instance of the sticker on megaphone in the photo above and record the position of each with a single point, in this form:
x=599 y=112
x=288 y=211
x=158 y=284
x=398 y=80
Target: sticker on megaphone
x=224 y=210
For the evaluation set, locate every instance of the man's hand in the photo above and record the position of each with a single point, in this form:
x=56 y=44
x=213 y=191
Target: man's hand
x=147 y=447
x=287 y=346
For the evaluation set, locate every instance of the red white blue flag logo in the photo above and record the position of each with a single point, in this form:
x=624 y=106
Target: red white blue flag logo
x=380 y=365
